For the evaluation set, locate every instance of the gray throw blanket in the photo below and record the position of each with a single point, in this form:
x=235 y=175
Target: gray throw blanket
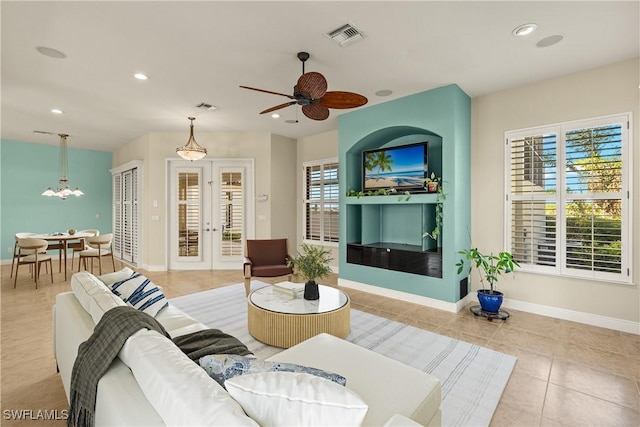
x=210 y=341
x=114 y=328
x=96 y=355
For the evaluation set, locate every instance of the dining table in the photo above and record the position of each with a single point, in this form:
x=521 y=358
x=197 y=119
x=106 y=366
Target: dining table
x=63 y=240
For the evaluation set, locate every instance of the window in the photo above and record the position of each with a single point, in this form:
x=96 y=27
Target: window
x=321 y=193
x=568 y=198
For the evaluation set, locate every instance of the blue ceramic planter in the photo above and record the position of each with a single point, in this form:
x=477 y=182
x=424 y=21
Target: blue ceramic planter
x=490 y=302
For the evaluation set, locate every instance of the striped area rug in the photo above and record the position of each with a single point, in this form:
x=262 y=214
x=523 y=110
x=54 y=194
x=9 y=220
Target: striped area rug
x=472 y=377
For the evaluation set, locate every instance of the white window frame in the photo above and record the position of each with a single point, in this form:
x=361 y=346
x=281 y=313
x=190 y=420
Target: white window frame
x=561 y=196
x=305 y=201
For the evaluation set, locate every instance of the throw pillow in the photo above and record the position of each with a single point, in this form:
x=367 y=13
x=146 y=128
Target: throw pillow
x=140 y=293
x=296 y=399
x=221 y=367
x=110 y=278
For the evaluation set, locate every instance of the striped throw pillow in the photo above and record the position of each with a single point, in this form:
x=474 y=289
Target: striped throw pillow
x=140 y=293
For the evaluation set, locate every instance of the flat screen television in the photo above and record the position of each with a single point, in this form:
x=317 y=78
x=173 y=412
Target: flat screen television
x=403 y=168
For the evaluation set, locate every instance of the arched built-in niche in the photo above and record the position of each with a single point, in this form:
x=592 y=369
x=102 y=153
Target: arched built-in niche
x=391 y=137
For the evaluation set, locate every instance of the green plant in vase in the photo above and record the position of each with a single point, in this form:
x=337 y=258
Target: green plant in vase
x=312 y=263
x=491 y=267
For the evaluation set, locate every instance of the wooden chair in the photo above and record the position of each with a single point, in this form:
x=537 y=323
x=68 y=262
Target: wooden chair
x=17 y=254
x=81 y=244
x=99 y=246
x=266 y=258
x=32 y=252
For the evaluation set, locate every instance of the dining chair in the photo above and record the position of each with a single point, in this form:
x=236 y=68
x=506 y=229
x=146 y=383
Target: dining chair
x=33 y=252
x=99 y=246
x=16 y=249
x=81 y=244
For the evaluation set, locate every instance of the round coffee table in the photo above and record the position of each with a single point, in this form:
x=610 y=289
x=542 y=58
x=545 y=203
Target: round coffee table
x=280 y=320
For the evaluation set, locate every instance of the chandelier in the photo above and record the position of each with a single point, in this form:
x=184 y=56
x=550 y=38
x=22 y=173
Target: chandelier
x=191 y=151
x=62 y=190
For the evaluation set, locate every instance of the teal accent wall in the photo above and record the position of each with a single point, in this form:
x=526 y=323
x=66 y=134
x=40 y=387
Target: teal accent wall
x=28 y=169
x=441 y=116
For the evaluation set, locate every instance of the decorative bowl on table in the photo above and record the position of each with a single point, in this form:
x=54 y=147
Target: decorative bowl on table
x=71 y=231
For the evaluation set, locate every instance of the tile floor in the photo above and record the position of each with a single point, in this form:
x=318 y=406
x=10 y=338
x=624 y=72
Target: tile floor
x=567 y=374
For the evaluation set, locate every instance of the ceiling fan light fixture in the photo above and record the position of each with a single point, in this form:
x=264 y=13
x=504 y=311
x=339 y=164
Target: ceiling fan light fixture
x=191 y=151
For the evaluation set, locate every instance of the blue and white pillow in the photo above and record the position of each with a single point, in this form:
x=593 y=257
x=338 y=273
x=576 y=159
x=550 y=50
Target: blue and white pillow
x=222 y=367
x=140 y=293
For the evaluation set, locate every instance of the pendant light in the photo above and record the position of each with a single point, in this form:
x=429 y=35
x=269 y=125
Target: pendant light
x=191 y=151
x=63 y=190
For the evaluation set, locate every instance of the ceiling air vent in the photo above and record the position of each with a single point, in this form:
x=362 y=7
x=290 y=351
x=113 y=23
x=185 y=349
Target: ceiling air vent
x=205 y=106
x=43 y=132
x=346 y=35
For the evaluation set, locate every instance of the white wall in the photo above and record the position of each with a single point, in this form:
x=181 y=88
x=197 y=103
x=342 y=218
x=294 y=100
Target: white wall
x=597 y=92
x=156 y=147
x=316 y=147
x=283 y=189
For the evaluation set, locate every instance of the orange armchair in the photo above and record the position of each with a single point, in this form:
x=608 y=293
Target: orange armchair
x=266 y=258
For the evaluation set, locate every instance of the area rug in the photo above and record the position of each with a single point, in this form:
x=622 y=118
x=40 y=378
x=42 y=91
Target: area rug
x=472 y=377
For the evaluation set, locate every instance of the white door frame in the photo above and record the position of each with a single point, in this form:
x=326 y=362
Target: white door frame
x=210 y=230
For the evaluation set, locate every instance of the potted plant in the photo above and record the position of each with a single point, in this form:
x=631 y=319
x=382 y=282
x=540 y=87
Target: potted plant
x=311 y=264
x=491 y=267
x=432 y=182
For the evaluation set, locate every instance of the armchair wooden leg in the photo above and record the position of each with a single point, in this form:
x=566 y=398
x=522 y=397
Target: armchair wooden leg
x=247 y=286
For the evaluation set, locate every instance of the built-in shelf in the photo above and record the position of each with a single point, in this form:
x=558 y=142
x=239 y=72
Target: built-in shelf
x=414 y=199
x=396 y=256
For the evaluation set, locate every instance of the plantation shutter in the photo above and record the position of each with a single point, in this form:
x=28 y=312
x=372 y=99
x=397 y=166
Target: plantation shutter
x=321 y=194
x=568 y=198
x=533 y=198
x=126 y=219
x=593 y=204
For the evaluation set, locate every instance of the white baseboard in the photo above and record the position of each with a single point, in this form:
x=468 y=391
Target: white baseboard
x=574 y=316
x=404 y=296
x=543 y=310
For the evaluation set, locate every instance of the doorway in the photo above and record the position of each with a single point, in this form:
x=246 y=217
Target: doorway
x=211 y=213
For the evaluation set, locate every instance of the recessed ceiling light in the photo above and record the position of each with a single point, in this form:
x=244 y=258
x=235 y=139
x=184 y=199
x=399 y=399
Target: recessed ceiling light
x=550 y=41
x=275 y=115
x=56 y=111
x=384 y=92
x=141 y=76
x=524 y=29
x=50 y=52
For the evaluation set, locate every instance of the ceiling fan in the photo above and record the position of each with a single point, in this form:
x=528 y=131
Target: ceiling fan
x=311 y=92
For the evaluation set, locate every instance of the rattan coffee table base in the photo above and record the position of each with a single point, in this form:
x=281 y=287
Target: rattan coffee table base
x=286 y=330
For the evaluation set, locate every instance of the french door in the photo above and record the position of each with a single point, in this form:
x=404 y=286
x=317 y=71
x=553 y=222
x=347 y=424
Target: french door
x=211 y=213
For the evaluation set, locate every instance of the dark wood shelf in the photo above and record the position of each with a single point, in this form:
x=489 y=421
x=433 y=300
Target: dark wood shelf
x=397 y=257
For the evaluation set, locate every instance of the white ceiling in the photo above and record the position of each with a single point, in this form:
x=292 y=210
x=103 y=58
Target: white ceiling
x=202 y=51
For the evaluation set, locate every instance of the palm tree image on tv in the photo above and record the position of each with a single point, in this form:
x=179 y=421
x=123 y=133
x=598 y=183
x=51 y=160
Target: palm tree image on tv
x=395 y=167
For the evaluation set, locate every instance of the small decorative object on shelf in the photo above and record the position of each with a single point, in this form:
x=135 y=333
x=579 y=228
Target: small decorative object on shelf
x=432 y=183
x=71 y=231
x=491 y=267
x=311 y=264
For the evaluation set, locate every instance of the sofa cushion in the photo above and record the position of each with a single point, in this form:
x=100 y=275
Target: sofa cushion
x=296 y=399
x=141 y=293
x=172 y=383
x=85 y=285
x=221 y=367
x=101 y=303
x=111 y=278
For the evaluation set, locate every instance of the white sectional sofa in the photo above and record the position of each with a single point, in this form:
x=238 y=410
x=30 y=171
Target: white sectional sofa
x=152 y=383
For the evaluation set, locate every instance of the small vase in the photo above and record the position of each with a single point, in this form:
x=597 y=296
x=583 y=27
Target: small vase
x=489 y=302
x=432 y=187
x=311 y=291
x=71 y=231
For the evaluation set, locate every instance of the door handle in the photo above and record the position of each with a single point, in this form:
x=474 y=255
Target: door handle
x=207 y=229
x=215 y=229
